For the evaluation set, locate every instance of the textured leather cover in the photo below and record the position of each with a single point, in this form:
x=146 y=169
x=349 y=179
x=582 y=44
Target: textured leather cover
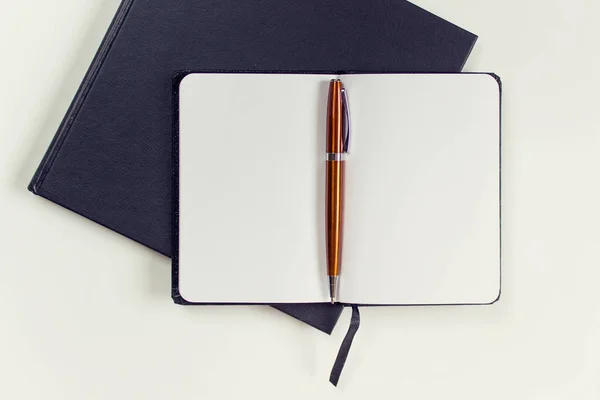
x=110 y=160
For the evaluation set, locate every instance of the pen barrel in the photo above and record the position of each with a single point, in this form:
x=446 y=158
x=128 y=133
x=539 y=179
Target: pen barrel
x=334 y=215
x=334 y=118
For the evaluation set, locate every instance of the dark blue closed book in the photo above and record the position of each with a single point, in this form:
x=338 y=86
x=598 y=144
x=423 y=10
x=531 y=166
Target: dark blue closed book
x=110 y=160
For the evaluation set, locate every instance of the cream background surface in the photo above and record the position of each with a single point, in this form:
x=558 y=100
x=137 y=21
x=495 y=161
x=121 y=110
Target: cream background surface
x=86 y=314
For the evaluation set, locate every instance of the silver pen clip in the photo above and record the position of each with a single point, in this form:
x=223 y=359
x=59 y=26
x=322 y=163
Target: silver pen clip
x=346 y=122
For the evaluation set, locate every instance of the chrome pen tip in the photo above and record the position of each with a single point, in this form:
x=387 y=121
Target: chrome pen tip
x=333 y=288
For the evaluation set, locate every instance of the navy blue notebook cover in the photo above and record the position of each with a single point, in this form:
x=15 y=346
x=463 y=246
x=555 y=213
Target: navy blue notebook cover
x=110 y=160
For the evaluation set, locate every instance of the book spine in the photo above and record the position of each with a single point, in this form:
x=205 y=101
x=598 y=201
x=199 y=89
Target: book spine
x=91 y=74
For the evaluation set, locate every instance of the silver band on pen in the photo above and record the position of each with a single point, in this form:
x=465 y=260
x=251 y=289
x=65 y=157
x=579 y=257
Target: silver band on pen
x=336 y=156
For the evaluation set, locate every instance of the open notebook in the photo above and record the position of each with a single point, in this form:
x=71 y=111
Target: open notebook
x=422 y=212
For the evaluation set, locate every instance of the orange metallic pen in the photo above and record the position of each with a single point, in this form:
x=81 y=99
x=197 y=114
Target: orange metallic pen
x=338 y=141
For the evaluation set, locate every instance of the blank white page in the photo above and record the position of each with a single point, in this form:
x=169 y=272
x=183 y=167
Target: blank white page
x=251 y=189
x=423 y=190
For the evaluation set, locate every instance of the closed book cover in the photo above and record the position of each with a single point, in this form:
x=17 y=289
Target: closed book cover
x=111 y=159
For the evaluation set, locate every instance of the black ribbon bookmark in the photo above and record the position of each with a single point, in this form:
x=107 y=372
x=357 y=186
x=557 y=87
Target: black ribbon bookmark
x=340 y=361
